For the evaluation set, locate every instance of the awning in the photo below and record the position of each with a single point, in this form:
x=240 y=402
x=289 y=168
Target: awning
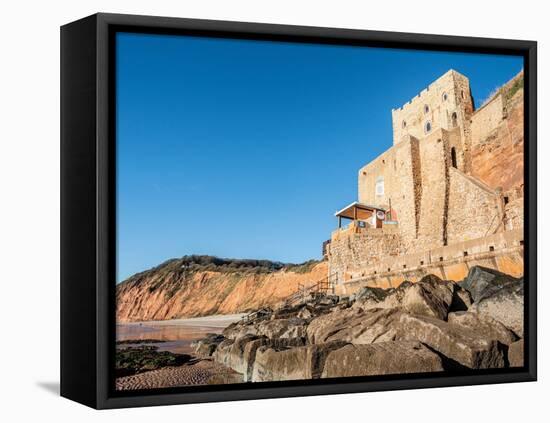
x=357 y=210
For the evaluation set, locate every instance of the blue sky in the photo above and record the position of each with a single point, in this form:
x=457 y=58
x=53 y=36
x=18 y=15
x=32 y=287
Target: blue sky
x=245 y=149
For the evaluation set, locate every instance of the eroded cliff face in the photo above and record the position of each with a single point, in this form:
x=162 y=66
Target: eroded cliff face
x=497 y=159
x=176 y=290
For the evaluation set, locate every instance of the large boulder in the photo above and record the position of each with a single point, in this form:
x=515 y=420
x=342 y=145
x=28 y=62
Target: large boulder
x=381 y=359
x=240 y=354
x=205 y=347
x=371 y=293
x=306 y=362
x=274 y=365
x=240 y=329
x=430 y=296
x=483 y=282
x=249 y=357
x=355 y=326
x=457 y=343
x=515 y=354
x=483 y=325
x=462 y=300
x=230 y=353
x=292 y=327
x=504 y=304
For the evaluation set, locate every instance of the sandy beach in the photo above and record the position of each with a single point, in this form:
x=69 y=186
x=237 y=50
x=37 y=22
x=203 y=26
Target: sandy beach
x=214 y=321
x=201 y=372
x=177 y=334
x=176 y=337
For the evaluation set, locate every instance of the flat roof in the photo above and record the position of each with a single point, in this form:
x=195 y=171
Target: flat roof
x=362 y=211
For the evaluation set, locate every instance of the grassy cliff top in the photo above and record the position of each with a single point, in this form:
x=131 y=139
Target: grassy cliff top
x=202 y=263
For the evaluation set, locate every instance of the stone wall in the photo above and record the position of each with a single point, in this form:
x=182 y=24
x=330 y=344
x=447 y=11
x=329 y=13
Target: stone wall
x=398 y=169
x=474 y=209
x=514 y=214
x=353 y=248
x=449 y=104
x=486 y=119
x=502 y=251
x=432 y=211
x=442 y=185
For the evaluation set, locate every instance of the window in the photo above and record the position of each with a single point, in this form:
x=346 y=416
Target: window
x=465 y=253
x=404 y=124
x=453 y=157
x=491 y=248
x=445 y=97
x=428 y=127
x=506 y=200
x=426 y=109
x=379 y=190
x=454 y=119
x=462 y=94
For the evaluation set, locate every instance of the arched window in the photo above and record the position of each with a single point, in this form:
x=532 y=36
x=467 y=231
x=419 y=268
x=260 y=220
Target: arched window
x=462 y=94
x=428 y=127
x=379 y=190
x=444 y=96
x=453 y=157
x=426 y=109
x=454 y=119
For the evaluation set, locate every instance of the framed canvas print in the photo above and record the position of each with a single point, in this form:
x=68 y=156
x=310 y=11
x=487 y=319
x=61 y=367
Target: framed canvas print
x=256 y=211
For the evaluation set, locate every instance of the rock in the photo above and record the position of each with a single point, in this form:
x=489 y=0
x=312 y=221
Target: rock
x=298 y=363
x=366 y=327
x=462 y=300
x=225 y=378
x=240 y=329
x=324 y=300
x=205 y=347
x=483 y=325
x=381 y=359
x=230 y=353
x=458 y=343
x=505 y=305
x=240 y=354
x=429 y=297
x=483 y=282
x=286 y=311
x=273 y=365
x=308 y=312
x=293 y=327
x=515 y=354
x=368 y=293
x=249 y=357
x=322 y=327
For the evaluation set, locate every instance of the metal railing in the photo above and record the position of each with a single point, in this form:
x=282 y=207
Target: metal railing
x=324 y=286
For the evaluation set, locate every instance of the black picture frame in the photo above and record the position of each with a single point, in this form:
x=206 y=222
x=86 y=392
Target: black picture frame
x=88 y=195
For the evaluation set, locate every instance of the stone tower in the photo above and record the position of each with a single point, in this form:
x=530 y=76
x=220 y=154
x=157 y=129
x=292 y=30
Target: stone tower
x=445 y=103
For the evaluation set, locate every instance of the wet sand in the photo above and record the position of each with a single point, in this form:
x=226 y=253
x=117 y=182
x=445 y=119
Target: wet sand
x=200 y=373
x=178 y=334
